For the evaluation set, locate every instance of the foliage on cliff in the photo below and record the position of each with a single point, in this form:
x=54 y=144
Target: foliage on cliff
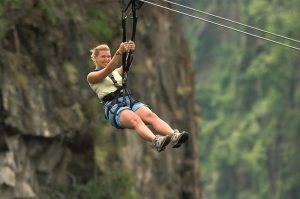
x=249 y=93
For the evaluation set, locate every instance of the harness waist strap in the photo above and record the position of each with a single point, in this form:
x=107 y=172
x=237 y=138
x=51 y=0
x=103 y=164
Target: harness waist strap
x=111 y=96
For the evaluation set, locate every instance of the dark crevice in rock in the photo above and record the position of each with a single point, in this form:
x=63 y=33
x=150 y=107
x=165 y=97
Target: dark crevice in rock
x=3 y=145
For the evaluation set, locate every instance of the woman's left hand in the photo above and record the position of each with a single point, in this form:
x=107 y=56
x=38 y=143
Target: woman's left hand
x=130 y=45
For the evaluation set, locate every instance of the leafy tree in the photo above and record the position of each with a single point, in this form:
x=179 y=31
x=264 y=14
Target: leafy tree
x=249 y=94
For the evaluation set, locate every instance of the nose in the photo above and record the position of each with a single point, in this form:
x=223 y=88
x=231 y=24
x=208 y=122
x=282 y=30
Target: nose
x=107 y=59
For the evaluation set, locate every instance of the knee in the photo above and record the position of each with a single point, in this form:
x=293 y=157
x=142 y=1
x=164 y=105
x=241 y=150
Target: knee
x=150 y=116
x=135 y=121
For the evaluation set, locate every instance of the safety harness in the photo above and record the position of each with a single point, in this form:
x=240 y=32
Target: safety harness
x=122 y=90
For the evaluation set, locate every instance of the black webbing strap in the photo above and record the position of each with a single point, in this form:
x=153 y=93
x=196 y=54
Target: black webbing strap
x=128 y=57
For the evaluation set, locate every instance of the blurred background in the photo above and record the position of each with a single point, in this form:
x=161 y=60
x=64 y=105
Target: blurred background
x=249 y=95
x=237 y=95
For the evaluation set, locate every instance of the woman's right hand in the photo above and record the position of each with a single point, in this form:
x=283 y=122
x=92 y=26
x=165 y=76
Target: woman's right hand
x=126 y=46
x=123 y=47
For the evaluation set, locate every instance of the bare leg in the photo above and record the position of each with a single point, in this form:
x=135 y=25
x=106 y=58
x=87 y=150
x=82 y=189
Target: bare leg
x=162 y=127
x=131 y=120
x=151 y=118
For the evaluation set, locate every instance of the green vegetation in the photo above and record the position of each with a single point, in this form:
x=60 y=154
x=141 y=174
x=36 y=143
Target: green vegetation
x=113 y=185
x=52 y=9
x=98 y=25
x=71 y=72
x=109 y=186
x=3 y=21
x=249 y=93
x=9 y=2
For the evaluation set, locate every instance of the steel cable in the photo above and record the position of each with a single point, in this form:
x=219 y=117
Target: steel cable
x=224 y=26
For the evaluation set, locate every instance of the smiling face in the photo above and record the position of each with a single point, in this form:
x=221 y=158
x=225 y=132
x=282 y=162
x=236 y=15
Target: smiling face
x=101 y=55
x=103 y=58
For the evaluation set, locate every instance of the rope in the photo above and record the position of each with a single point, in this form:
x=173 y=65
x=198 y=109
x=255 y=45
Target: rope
x=232 y=21
x=224 y=26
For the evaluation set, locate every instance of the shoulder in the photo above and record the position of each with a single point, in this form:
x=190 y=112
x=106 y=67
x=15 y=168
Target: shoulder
x=89 y=77
x=95 y=77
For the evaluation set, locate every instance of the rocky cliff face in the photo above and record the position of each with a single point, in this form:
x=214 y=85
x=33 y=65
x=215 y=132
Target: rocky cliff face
x=53 y=138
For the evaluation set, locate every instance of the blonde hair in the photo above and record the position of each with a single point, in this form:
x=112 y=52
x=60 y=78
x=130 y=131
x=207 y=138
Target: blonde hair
x=95 y=51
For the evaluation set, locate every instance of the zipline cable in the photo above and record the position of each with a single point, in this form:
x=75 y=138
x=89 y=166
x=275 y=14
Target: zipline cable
x=218 y=24
x=232 y=21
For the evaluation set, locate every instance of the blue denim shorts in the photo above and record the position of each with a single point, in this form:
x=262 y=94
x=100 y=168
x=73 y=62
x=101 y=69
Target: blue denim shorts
x=112 y=109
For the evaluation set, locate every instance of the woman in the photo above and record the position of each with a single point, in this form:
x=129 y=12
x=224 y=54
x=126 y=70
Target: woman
x=122 y=112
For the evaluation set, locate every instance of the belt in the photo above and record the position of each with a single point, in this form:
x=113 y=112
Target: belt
x=111 y=96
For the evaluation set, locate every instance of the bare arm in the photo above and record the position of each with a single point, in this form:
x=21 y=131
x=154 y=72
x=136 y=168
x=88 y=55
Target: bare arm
x=97 y=76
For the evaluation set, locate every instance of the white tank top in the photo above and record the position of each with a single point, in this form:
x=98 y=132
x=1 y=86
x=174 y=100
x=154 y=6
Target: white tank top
x=106 y=86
